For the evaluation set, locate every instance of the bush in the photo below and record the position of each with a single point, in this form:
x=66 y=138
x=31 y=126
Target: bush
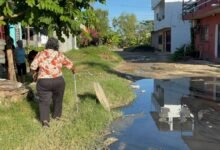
x=185 y=51
x=30 y=48
x=91 y=37
x=140 y=48
x=112 y=39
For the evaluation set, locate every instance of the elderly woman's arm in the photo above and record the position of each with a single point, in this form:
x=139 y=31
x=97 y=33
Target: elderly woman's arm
x=35 y=66
x=69 y=64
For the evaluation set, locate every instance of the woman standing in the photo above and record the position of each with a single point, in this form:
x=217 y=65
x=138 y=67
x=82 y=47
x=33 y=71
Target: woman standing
x=50 y=81
x=20 y=57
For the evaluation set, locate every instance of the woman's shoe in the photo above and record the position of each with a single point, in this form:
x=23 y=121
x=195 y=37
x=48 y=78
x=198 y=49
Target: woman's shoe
x=56 y=118
x=45 y=124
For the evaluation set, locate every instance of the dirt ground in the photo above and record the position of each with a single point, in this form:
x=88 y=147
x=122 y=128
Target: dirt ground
x=157 y=65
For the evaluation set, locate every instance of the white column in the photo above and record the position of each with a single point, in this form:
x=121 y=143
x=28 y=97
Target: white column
x=75 y=43
x=171 y=123
x=216 y=41
x=38 y=39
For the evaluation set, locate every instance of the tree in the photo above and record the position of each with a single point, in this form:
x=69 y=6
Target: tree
x=126 y=25
x=113 y=38
x=102 y=23
x=143 y=32
x=149 y=25
x=132 y=32
x=61 y=16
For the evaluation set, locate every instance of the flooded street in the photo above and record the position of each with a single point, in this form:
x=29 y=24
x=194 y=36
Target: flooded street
x=175 y=114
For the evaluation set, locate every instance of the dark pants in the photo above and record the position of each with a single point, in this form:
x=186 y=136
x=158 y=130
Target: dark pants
x=21 y=69
x=50 y=89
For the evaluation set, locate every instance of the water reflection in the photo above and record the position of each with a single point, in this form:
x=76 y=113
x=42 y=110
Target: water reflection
x=178 y=114
x=169 y=110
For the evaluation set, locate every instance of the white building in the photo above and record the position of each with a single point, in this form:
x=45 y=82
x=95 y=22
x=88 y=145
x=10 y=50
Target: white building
x=170 y=31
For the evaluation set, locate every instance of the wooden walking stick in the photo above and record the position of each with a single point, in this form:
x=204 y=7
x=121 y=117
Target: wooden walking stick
x=75 y=91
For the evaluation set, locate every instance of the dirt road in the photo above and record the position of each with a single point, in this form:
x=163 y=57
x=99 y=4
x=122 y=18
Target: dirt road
x=157 y=65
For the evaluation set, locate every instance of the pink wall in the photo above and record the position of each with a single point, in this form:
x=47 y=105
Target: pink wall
x=207 y=48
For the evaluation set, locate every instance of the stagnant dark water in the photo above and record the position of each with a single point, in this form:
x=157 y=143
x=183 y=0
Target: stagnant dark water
x=177 y=114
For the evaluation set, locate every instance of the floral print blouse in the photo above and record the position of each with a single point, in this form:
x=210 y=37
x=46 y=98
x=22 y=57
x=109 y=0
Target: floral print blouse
x=50 y=62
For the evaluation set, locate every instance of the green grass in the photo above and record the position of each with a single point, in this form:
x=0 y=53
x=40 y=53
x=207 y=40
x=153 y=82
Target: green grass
x=20 y=129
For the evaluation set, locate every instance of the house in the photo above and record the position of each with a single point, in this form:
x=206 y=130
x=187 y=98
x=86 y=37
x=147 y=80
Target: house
x=205 y=17
x=170 y=31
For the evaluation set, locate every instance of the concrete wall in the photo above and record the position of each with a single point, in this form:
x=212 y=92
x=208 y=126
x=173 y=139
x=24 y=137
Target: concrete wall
x=180 y=30
x=2 y=54
x=69 y=44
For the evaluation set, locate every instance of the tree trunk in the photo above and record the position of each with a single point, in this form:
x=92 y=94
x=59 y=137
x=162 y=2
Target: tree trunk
x=9 y=55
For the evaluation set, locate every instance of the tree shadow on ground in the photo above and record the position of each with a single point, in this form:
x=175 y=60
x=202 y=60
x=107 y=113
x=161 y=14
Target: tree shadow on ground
x=33 y=102
x=96 y=64
x=111 y=71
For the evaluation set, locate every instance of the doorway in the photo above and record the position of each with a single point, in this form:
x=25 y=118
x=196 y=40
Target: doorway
x=218 y=41
x=168 y=41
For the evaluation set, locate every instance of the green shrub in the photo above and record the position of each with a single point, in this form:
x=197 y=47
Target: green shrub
x=112 y=39
x=184 y=52
x=29 y=48
x=178 y=54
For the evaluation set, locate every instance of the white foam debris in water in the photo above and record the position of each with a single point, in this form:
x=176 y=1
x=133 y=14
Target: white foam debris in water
x=135 y=86
x=143 y=91
x=122 y=146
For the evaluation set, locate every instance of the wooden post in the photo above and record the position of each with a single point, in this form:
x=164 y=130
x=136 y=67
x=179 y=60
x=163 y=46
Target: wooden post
x=101 y=96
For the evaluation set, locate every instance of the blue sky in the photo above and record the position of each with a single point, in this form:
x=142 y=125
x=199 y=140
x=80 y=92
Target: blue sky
x=141 y=8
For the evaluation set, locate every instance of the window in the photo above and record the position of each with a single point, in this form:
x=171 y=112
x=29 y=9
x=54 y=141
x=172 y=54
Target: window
x=160 y=39
x=157 y=17
x=2 y=32
x=204 y=33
